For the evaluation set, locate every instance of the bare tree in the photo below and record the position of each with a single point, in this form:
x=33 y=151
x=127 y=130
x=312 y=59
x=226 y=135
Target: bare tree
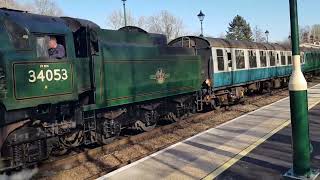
x=222 y=35
x=163 y=23
x=304 y=34
x=43 y=7
x=142 y=22
x=167 y=24
x=285 y=42
x=315 y=33
x=47 y=7
x=12 y=4
x=116 y=20
x=258 y=35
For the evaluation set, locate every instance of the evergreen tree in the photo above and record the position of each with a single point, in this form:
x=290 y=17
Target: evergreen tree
x=239 y=29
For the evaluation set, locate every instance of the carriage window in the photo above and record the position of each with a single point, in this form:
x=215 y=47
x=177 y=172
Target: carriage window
x=272 y=58
x=263 y=59
x=289 y=58
x=252 y=59
x=302 y=58
x=283 y=58
x=18 y=35
x=229 y=59
x=220 y=60
x=240 y=59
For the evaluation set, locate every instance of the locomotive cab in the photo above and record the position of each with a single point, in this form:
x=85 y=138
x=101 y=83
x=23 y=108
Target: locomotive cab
x=34 y=89
x=33 y=81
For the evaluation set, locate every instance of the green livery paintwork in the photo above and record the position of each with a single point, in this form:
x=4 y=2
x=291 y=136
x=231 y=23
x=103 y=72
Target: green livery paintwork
x=42 y=79
x=128 y=67
x=300 y=125
x=139 y=80
x=130 y=73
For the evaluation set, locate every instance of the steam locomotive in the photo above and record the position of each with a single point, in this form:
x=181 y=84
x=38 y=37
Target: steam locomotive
x=112 y=80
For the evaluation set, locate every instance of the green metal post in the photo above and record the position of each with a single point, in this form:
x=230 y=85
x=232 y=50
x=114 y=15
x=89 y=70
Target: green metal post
x=298 y=106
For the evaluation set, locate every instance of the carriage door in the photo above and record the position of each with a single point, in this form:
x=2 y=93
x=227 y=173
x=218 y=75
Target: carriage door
x=230 y=69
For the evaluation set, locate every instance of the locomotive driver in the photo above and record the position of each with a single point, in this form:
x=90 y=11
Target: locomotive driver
x=56 y=51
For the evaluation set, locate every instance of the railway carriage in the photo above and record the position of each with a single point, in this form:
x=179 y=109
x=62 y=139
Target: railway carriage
x=235 y=67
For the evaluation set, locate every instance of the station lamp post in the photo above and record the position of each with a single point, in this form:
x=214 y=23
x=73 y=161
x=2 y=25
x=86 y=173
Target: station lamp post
x=201 y=18
x=298 y=108
x=267 y=35
x=124 y=12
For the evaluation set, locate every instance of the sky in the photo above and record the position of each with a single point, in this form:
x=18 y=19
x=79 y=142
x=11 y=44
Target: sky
x=271 y=15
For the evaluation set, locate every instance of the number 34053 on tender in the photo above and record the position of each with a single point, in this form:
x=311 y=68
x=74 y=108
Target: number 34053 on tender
x=48 y=75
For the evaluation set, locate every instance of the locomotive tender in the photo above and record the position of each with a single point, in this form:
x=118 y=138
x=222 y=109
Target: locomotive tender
x=111 y=80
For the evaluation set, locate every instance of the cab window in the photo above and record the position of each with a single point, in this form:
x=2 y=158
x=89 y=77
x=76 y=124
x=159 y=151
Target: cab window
x=18 y=35
x=220 y=59
x=86 y=42
x=42 y=44
x=240 y=63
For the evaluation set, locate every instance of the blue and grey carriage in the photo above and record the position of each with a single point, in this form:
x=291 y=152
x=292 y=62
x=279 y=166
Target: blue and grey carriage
x=233 y=67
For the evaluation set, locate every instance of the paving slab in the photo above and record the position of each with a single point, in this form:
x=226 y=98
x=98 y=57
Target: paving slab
x=220 y=152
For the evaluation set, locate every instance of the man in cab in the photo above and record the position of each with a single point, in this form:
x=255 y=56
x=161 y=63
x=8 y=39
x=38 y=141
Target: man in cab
x=56 y=51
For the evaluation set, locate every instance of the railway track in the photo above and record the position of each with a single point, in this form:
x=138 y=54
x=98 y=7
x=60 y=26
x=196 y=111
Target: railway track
x=96 y=162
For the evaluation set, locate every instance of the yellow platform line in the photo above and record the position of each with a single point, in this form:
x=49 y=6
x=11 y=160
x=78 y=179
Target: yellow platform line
x=246 y=151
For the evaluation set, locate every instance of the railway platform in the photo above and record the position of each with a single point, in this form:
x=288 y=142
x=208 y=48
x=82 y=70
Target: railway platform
x=256 y=145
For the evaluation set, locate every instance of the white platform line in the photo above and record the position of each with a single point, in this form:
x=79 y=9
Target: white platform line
x=193 y=137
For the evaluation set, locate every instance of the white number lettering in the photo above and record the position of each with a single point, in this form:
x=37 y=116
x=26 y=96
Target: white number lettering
x=57 y=75
x=32 y=78
x=41 y=76
x=49 y=75
x=64 y=74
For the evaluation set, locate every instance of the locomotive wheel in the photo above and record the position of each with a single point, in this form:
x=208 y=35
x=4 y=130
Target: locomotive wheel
x=71 y=140
x=60 y=151
x=106 y=140
x=24 y=147
x=215 y=104
x=66 y=142
x=172 y=117
x=143 y=127
x=108 y=131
